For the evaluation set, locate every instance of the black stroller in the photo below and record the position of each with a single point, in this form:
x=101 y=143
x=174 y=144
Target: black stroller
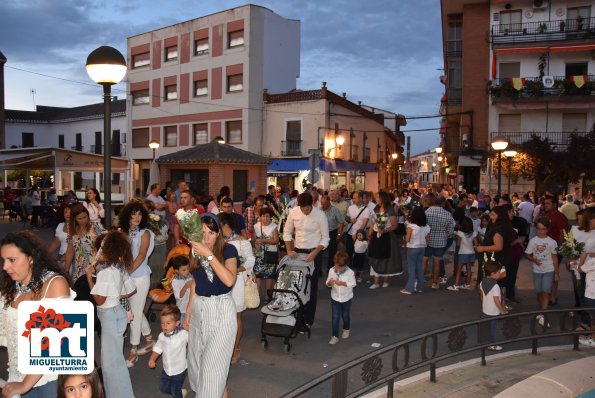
x=283 y=316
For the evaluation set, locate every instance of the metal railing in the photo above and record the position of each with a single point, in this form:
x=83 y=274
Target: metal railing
x=557 y=139
x=382 y=367
x=291 y=148
x=78 y=148
x=366 y=157
x=355 y=153
x=533 y=87
x=559 y=30
x=117 y=150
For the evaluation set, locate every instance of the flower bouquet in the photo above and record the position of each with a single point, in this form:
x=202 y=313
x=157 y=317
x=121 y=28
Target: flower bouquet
x=381 y=220
x=158 y=226
x=572 y=250
x=190 y=224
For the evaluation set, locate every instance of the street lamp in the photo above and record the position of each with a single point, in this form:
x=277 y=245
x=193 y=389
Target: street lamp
x=438 y=150
x=511 y=153
x=394 y=156
x=106 y=66
x=499 y=144
x=154 y=145
x=219 y=140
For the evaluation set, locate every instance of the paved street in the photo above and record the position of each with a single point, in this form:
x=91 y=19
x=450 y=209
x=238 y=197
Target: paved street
x=381 y=316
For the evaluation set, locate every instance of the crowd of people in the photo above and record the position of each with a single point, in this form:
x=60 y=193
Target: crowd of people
x=357 y=238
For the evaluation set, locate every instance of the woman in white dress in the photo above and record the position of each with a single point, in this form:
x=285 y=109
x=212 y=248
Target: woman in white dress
x=28 y=273
x=60 y=241
x=267 y=240
x=245 y=268
x=94 y=206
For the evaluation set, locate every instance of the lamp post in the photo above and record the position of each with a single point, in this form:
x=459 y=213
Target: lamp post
x=154 y=145
x=511 y=153
x=394 y=156
x=499 y=144
x=106 y=66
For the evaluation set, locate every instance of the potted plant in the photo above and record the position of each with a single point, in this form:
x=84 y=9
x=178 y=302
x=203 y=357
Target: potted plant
x=579 y=23
x=542 y=28
x=562 y=26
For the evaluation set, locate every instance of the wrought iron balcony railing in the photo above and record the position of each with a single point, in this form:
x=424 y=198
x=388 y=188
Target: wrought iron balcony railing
x=117 y=150
x=366 y=158
x=355 y=153
x=531 y=87
x=559 y=30
x=78 y=148
x=557 y=139
x=291 y=148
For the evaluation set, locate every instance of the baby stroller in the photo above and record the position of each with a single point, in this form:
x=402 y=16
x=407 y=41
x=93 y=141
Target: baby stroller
x=283 y=316
x=162 y=296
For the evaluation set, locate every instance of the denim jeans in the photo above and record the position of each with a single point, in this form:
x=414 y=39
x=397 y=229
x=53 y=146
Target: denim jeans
x=414 y=268
x=341 y=310
x=172 y=385
x=116 y=378
x=47 y=390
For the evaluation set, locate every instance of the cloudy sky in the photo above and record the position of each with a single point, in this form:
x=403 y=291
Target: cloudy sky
x=385 y=53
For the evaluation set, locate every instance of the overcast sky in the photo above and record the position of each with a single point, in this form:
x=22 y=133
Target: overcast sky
x=385 y=53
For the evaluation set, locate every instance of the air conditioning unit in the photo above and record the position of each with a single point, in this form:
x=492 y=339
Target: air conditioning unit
x=539 y=4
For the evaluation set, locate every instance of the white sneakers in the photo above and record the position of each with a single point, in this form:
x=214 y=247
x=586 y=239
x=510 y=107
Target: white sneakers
x=374 y=286
x=334 y=340
x=453 y=288
x=385 y=285
x=541 y=320
x=495 y=348
x=345 y=334
x=587 y=341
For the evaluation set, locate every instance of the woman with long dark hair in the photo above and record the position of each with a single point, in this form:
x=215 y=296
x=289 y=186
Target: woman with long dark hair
x=81 y=236
x=134 y=221
x=211 y=314
x=29 y=273
x=94 y=206
x=498 y=237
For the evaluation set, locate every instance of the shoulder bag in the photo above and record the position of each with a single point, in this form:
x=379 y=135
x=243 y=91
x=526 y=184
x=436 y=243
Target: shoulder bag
x=251 y=295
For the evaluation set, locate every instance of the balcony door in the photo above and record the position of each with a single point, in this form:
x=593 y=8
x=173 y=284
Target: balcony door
x=509 y=69
x=574 y=122
x=577 y=69
x=293 y=138
x=510 y=21
x=577 y=18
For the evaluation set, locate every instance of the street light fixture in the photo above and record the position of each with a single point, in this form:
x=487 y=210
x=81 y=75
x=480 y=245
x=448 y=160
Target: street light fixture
x=438 y=150
x=106 y=66
x=340 y=140
x=154 y=145
x=394 y=156
x=219 y=140
x=511 y=153
x=499 y=144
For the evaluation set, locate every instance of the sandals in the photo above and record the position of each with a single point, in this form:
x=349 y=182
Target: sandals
x=132 y=358
x=236 y=356
x=148 y=346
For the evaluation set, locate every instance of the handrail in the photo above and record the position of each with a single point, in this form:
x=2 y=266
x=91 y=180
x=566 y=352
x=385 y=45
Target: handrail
x=343 y=381
x=562 y=29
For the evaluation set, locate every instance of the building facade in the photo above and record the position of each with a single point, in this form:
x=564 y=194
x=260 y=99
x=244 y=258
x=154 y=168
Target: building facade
x=320 y=137
x=534 y=75
x=195 y=81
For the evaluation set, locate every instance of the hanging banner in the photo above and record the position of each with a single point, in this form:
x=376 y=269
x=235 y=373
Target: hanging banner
x=579 y=80
x=517 y=82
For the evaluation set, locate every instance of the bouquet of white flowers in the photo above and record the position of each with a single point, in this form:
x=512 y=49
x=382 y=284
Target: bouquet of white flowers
x=159 y=228
x=381 y=220
x=571 y=249
x=190 y=224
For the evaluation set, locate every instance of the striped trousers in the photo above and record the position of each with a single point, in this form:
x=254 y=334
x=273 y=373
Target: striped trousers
x=213 y=328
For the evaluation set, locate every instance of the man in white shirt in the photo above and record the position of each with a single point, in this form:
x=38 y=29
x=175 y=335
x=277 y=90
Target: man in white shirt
x=525 y=209
x=158 y=201
x=357 y=215
x=310 y=227
x=367 y=198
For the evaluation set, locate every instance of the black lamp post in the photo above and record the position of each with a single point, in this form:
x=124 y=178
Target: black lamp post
x=511 y=153
x=106 y=66
x=154 y=145
x=499 y=144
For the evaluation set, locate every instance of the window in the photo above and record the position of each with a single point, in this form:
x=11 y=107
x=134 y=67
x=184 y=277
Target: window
x=61 y=141
x=201 y=46
x=140 y=97
x=27 y=140
x=235 y=83
x=116 y=147
x=140 y=60
x=234 y=132
x=201 y=133
x=79 y=142
x=140 y=138
x=293 y=131
x=455 y=81
x=510 y=21
x=201 y=87
x=98 y=148
x=240 y=185
x=235 y=39
x=509 y=69
x=574 y=122
x=171 y=92
x=454 y=41
x=171 y=135
x=171 y=53
x=577 y=18
x=577 y=69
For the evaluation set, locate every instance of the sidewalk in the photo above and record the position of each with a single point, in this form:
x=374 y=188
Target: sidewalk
x=380 y=316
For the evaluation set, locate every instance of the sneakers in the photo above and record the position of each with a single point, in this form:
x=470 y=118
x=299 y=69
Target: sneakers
x=495 y=348
x=587 y=341
x=345 y=334
x=541 y=320
x=435 y=286
x=453 y=288
x=385 y=285
x=148 y=347
x=443 y=280
x=359 y=280
x=374 y=286
x=405 y=291
x=334 y=340
x=465 y=287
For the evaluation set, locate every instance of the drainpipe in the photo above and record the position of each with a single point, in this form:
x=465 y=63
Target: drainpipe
x=2 y=118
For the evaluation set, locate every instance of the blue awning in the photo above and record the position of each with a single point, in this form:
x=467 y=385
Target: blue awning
x=289 y=165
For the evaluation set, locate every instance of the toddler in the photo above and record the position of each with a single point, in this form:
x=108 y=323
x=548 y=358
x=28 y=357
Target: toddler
x=181 y=283
x=80 y=386
x=542 y=252
x=491 y=303
x=171 y=344
x=341 y=280
x=360 y=247
x=466 y=242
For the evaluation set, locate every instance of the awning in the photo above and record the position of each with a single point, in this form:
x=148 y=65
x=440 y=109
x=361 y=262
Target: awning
x=468 y=161
x=517 y=50
x=563 y=49
x=288 y=165
x=282 y=173
x=344 y=165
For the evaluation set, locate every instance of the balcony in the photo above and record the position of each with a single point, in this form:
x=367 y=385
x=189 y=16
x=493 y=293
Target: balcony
x=560 y=30
x=557 y=139
x=291 y=148
x=366 y=158
x=117 y=150
x=355 y=153
x=79 y=148
x=533 y=88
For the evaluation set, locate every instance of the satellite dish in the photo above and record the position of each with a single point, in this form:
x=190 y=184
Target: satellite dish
x=548 y=81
